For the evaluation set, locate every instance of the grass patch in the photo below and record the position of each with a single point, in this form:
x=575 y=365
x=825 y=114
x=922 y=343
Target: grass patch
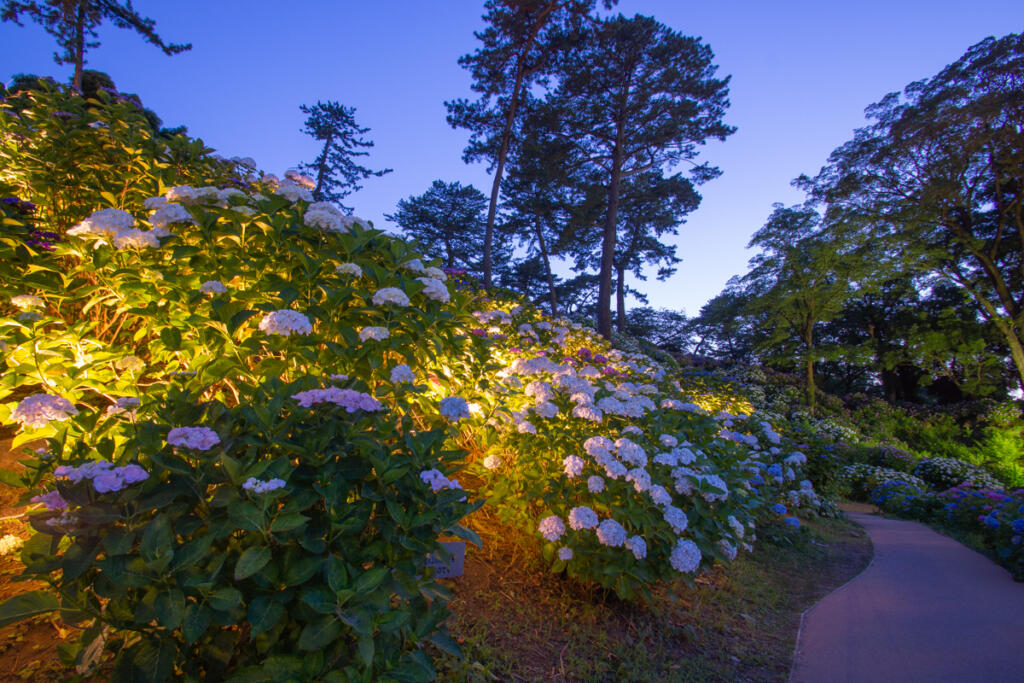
x=515 y=621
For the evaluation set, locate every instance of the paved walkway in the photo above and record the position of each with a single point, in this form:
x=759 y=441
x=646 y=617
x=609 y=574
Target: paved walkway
x=926 y=609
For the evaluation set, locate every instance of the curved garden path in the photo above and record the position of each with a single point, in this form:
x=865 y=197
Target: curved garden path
x=925 y=609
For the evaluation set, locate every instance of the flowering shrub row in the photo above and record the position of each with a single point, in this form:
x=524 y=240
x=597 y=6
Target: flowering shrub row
x=255 y=407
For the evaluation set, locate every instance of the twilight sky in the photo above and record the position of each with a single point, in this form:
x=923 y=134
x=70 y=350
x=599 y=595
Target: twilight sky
x=802 y=73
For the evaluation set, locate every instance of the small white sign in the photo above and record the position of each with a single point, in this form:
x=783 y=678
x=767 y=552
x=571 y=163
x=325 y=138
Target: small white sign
x=453 y=568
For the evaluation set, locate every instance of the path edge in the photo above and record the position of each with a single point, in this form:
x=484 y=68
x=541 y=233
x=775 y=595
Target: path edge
x=803 y=615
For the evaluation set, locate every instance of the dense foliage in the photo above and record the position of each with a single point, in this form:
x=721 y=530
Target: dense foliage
x=254 y=406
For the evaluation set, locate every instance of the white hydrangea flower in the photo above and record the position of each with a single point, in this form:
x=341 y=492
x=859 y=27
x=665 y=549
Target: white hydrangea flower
x=737 y=528
x=286 y=322
x=375 y=333
x=325 y=216
x=631 y=453
x=435 y=289
x=685 y=556
x=436 y=273
x=152 y=203
x=552 y=528
x=402 y=373
x=199 y=438
x=135 y=239
x=293 y=192
x=640 y=478
x=349 y=269
x=492 y=461
x=659 y=495
x=169 y=213
x=676 y=518
x=588 y=412
x=105 y=222
x=611 y=533
x=414 y=266
x=27 y=302
x=525 y=427
x=299 y=178
x=390 y=295
x=581 y=518
x=454 y=408
x=213 y=287
x=546 y=409
x=637 y=545
x=38 y=410
x=572 y=465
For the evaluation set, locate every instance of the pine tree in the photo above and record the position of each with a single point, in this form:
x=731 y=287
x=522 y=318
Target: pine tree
x=74 y=22
x=335 y=170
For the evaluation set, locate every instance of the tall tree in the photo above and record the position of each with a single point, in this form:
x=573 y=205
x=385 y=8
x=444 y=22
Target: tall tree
x=447 y=220
x=939 y=175
x=336 y=172
x=74 y=22
x=514 y=55
x=802 y=277
x=634 y=97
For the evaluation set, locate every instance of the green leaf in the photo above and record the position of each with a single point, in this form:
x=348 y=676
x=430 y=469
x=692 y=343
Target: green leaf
x=157 y=539
x=446 y=643
x=370 y=579
x=251 y=561
x=11 y=479
x=366 y=649
x=288 y=522
x=466 y=535
x=170 y=608
x=197 y=620
x=27 y=605
x=264 y=613
x=154 y=662
x=337 y=577
x=319 y=633
x=225 y=599
x=246 y=515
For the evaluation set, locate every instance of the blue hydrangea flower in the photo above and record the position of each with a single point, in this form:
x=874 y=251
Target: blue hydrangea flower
x=793 y=522
x=1018 y=525
x=779 y=509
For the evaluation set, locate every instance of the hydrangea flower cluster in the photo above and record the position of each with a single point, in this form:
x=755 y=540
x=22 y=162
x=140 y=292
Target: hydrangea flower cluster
x=349 y=269
x=197 y=438
x=27 y=302
x=116 y=226
x=349 y=399
x=437 y=481
x=38 y=410
x=434 y=288
x=551 y=528
x=105 y=477
x=258 y=486
x=213 y=287
x=454 y=408
x=325 y=216
x=392 y=296
x=402 y=373
x=286 y=322
x=375 y=333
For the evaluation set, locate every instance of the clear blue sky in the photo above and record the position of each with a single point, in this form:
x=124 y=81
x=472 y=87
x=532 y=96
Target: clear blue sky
x=802 y=74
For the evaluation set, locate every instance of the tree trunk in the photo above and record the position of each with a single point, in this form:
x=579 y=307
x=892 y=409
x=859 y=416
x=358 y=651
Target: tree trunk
x=79 y=44
x=809 y=367
x=604 y=292
x=620 y=299
x=552 y=294
x=321 y=171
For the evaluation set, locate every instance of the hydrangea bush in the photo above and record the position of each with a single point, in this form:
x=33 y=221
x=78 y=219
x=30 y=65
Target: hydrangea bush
x=255 y=408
